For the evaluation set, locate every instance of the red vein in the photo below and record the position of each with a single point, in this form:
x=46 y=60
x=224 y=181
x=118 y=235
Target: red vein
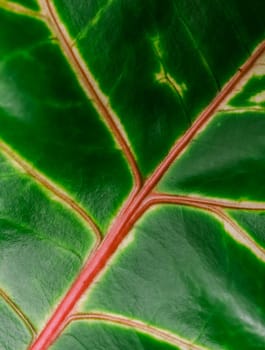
x=242 y=110
x=90 y=271
x=90 y=87
x=19 y=9
x=47 y=184
x=19 y=312
x=241 y=235
x=153 y=331
x=215 y=202
x=129 y=215
x=203 y=119
x=229 y=224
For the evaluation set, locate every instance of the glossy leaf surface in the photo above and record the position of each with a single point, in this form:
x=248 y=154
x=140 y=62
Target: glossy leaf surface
x=132 y=166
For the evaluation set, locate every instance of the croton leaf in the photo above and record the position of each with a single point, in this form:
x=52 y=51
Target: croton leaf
x=132 y=197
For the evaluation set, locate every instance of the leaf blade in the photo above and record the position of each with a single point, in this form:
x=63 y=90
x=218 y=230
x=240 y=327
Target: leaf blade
x=167 y=92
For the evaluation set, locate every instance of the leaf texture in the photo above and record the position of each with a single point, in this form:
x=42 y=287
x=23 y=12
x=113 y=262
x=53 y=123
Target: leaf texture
x=131 y=184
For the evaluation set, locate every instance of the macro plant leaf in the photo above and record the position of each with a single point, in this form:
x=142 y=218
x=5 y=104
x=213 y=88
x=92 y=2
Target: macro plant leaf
x=132 y=198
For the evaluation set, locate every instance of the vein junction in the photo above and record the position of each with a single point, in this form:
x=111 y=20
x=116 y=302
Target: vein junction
x=131 y=213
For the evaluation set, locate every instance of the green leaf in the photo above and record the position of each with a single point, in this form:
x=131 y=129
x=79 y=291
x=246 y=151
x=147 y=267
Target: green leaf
x=132 y=169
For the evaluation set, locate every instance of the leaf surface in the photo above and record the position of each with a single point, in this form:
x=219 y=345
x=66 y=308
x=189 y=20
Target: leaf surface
x=132 y=160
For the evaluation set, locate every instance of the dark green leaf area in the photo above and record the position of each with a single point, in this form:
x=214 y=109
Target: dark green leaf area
x=223 y=160
x=33 y=4
x=253 y=222
x=161 y=66
x=42 y=244
x=98 y=336
x=13 y=333
x=248 y=96
x=31 y=32
x=46 y=118
x=224 y=31
x=183 y=272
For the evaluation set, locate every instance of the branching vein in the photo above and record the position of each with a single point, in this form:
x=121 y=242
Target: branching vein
x=215 y=202
x=229 y=224
x=152 y=331
x=91 y=87
x=19 y=312
x=19 y=9
x=54 y=189
x=183 y=142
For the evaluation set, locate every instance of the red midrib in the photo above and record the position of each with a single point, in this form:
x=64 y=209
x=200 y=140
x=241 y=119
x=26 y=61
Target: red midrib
x=90 y=271
x=130 y=213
